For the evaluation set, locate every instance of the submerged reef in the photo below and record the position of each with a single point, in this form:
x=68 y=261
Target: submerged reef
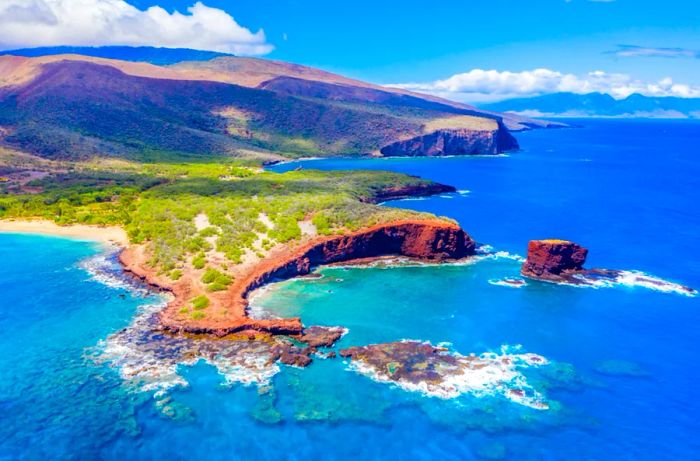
x=438 y=372
x=149 y=359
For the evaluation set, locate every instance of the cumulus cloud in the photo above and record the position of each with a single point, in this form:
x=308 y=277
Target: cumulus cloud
x=627 y=51
x=479 y=85
x=30 y=23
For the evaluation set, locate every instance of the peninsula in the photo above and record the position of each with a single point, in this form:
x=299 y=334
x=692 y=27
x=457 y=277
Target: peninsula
x=168 y=159
x=209 y=233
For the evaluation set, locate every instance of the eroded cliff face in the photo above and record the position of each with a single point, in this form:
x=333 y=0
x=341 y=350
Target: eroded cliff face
x=428 y=240
x=412 y=190
x=454 y=142
x=553 y=259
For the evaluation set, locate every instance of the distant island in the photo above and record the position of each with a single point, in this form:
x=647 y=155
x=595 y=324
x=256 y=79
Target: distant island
x=599 y=105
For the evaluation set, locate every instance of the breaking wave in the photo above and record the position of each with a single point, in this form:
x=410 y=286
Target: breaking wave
x=105 y=268
x=148 y=360
x=450 y=374
x=405 y=199
x=633 y=279
x=509 y=282
x=484 y=252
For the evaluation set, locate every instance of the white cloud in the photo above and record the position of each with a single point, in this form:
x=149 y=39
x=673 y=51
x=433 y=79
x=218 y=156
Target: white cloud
x=30 y=23
x=479 y=85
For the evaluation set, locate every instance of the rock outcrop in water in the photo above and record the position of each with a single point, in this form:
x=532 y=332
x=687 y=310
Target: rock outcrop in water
x=454 y=142
x=436 y=371
x=561 y=261
x=553 y=259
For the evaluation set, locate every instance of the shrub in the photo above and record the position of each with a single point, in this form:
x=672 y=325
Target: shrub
x=198 y=315
x=200 y=302
x=213 y=275
x=216 y=286
x=176 y=274
x=199 y=261
x=216 y=280
x=208 y=232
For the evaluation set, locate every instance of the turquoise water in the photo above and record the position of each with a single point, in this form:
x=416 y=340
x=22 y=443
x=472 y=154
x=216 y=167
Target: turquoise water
x=622 y=373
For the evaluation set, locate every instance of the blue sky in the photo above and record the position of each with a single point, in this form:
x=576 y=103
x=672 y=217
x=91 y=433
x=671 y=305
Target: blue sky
x=406 y=40
x=422 y=44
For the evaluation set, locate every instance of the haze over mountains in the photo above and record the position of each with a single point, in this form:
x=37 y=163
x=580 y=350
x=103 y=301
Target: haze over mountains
x=600 y=105
x=77 y=107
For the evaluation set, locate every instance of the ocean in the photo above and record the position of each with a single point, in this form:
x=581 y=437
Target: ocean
x=79 y=380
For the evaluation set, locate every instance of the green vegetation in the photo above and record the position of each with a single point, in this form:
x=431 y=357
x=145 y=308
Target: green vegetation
x=248 y=211
x=199 y=261
x=200 y=302
x=198 y=315
x=215 y=280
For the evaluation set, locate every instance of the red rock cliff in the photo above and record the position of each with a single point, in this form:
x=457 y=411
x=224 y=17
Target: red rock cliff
x=553 y=259
x=430 y=240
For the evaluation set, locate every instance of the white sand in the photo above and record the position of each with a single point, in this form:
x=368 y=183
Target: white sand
x=106 y=234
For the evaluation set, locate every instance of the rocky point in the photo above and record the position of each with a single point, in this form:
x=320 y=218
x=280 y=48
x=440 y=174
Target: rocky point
x=553 y=260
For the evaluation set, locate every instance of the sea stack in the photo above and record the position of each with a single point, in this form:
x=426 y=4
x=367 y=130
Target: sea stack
x=553 y=259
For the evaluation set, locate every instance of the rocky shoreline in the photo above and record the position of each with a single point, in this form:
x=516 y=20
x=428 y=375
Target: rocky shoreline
x=425 y=240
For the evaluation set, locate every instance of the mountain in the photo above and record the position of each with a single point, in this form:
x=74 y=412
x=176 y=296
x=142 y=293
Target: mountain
x=154 y=55
x=598 y=104
x=78 y=107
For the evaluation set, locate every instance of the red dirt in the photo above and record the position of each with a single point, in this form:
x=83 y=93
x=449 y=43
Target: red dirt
x=430 y=240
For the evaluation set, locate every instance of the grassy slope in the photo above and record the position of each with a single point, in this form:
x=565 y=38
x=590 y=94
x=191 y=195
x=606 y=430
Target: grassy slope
x=77 y=110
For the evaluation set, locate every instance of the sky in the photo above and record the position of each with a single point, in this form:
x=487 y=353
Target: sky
x=468 y=50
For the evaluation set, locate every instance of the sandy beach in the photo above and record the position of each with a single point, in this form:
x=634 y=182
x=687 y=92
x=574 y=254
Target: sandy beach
x=107 y=234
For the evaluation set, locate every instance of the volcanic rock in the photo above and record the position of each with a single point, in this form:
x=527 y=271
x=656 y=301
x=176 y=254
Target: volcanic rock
x=317 y=336
x=454 y=142
x=553 y=260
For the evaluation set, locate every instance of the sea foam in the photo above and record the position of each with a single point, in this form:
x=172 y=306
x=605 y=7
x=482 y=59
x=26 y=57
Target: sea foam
x=149 y=360
x=104 y=268
x=643 y=280
x=436 y=372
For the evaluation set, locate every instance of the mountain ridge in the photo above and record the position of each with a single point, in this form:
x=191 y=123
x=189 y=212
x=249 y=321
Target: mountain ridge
x=600 y=104
x=77 y=107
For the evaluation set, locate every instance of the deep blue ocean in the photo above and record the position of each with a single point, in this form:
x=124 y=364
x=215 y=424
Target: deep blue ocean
x=621 y=381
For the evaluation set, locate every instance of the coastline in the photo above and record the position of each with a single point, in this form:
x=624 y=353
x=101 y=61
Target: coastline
x=112 y=235
x=432 y=240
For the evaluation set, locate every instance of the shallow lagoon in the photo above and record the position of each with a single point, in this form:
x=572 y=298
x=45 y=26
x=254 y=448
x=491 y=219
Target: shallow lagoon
x=623 y=372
